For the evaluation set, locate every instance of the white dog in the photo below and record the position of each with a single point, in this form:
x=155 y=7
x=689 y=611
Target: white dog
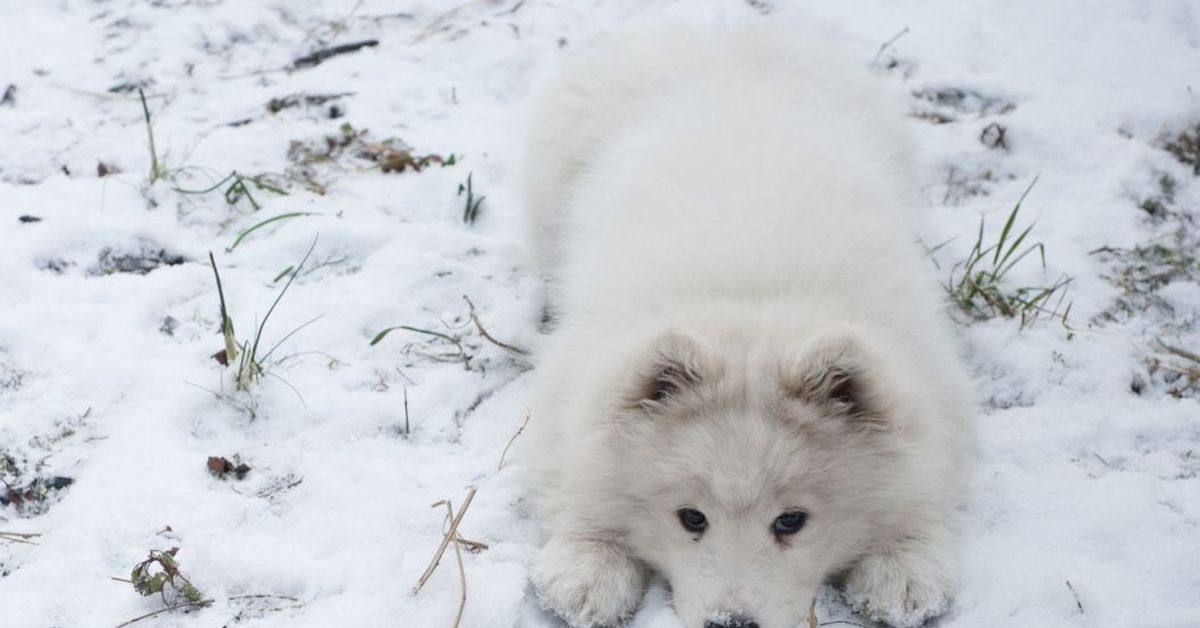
x=751 y=388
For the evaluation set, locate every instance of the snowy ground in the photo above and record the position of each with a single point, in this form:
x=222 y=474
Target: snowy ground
x=1087 y=509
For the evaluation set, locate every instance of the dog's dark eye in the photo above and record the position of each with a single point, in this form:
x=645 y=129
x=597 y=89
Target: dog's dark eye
x=789 y=522
x=693 y=520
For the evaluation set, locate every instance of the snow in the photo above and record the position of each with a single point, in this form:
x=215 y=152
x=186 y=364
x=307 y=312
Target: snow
x=107 y=378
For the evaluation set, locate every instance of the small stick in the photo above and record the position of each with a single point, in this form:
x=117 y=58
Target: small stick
x=487 y=336
x=270 y=596
x=1076 y=594
x=462 y=572
x=1183 y=353
x=160 y=611
x=406 y=429
x=1190 y=373
x=450 y=535
x=440 y=22
x=888 y=44
x=516 y=7
x=812 y=614
x=320 y=56
x=511 y=441
x=462 y=576
x=19 y=537
x=473 y=545
x=259 y=596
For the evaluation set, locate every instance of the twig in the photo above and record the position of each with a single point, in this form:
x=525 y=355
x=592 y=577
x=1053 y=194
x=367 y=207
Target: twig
x=511 y=441
x=487 y=336
x=322 y=55
x=473 y=546
x=386 y=16
x=19 y=537
x=441 y=22
x=273 y=490
x=1183 y=353
x=1076 y=594
x=406 y=428
x=296 y=603
x=201 y=603
x=888 y=44
x=462 y=571
x=257 y=596
x=516 y=7
x=451 y=535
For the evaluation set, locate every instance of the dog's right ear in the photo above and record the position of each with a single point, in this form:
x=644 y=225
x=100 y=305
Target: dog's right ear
x=671 y=366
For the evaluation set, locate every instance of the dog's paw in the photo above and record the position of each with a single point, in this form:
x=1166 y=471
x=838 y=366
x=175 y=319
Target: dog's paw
x=899 y=588
x=589 y=584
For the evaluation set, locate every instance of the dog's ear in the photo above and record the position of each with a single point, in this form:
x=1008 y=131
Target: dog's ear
x=837 y=372
x=670 y=366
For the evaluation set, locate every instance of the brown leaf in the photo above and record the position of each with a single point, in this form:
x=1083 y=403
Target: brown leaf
x=400 y=160
x=218 y=466
x=221 y=467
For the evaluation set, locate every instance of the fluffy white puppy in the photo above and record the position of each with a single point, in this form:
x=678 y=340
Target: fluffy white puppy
x=751 y=387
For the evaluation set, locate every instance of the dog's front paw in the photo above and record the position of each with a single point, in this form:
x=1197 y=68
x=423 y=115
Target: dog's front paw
x=900 y=588
x=588 y=583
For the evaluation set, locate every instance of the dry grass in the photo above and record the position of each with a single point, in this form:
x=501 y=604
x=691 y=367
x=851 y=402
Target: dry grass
x=451 y=536
x=19 y=537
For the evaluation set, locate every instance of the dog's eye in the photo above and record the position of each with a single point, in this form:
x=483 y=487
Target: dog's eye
x=693 y=520
x=789 y=522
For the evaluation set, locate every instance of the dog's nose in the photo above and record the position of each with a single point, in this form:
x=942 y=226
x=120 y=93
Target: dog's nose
x=731 y=621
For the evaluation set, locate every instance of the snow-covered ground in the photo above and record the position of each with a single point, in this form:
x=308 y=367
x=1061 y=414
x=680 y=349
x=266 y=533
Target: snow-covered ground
x=1087 y=508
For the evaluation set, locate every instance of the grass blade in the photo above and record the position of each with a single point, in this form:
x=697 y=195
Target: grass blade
x=283 y=291
x=231 y=348
x=252 y=229
x=383 y=334
x=155 y=168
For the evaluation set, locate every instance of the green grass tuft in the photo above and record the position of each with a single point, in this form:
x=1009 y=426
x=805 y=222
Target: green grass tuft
x=977 y=284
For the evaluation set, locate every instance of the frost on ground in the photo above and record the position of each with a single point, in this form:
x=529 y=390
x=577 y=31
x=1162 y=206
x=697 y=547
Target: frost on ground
x=373 y=129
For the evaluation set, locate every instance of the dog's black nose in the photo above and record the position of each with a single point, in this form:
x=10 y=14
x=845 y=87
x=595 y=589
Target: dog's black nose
x=731 y=621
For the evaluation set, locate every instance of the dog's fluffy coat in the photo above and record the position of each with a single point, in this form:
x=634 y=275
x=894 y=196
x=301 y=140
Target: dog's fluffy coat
x=744 y=327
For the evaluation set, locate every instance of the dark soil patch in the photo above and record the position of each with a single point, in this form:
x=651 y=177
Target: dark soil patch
x=951 y=104
x=1186 y=148
x=136 y=262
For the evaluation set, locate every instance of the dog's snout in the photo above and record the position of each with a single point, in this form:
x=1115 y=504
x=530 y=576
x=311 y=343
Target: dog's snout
x=731 y=621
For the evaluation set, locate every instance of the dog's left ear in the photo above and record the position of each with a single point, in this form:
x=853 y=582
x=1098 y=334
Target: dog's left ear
x=672 y=365
x=839 y=373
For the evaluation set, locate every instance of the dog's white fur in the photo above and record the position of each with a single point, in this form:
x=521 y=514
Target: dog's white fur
x=744 y=327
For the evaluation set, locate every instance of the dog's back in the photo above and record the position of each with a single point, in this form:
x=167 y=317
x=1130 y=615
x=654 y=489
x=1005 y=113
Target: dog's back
x=750 y=101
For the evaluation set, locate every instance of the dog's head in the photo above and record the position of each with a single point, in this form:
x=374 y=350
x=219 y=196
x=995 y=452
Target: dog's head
x=754 y=474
